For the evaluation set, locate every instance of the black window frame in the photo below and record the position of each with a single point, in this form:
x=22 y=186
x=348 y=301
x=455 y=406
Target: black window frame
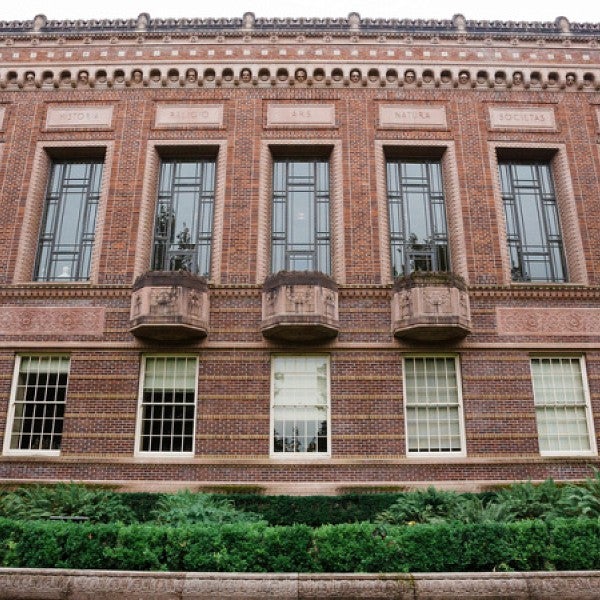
x=184 y=246
x=56 y=260
x=314 y=253
x=408 y=251
x=524 y=256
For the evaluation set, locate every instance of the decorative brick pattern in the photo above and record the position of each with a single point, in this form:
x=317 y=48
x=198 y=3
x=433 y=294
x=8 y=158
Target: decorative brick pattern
x=52 y=321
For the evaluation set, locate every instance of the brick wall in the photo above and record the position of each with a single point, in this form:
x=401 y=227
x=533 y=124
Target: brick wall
x=368 y=430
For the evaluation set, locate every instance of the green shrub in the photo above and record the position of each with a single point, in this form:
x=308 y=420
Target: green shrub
x=477 y=509
x=186 y=507
x=84 y=545
x=518 y=502
x=360 y=547
x=142 y=504
x=583 y=500
x=421 y=507
x=429 y=547
x=576 y=544
x=528 y=501
x=314 y=510
x=137 y=548
x=505 y=546
x=225 y=548
x=289 y=549
x=42 y=502
x=529 y=545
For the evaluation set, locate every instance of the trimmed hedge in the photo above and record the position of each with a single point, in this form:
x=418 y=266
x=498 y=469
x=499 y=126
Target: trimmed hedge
x=565 y=544
x=314 y=510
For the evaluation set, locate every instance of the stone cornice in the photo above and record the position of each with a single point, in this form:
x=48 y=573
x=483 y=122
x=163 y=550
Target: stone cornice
x=248 y=24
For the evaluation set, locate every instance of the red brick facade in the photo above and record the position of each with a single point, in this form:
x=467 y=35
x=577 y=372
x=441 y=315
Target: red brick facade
x=531 y=92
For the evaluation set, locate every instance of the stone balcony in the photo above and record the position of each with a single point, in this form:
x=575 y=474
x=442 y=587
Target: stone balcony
x=169 y=306
x=300 y=306
x=430 y=307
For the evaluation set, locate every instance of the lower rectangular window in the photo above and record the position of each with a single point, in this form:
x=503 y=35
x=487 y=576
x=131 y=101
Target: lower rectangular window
x=300 y=405
x=37 y=412
x=167 y=412
x=433 y=405
x=562 y=406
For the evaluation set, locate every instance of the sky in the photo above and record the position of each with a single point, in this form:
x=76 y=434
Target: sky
x=580 y=11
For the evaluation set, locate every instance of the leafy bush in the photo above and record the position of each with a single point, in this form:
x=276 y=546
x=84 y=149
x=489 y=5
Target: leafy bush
x=187 y=507
x=66 y=500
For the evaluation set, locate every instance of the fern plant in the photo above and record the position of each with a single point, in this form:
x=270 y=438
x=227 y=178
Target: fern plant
x=583 y=500
x=186 y=507
x=65 y=500
x=429 y=506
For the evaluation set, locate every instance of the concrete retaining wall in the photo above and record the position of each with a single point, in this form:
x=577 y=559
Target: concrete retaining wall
x=55 y=584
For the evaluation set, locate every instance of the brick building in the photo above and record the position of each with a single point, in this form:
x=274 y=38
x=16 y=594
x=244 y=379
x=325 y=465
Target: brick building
x=299 y=254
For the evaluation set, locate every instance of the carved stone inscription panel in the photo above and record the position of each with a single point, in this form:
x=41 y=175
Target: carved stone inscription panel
x=535 y=119
x=315 y=115
x=207 y=115
x=87 y=321
x=413 y=116
x=548 y=321
x=74 y=116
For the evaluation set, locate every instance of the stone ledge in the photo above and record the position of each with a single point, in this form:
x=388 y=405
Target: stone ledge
x=59 y=584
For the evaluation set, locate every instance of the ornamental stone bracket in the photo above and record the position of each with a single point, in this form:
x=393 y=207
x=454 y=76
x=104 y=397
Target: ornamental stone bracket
x=169 y=306
x=300 y=306
x=430 y=307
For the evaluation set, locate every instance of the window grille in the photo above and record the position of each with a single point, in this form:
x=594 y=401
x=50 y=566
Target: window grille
x=184 y=216
x=417 y=217
x=432 y=399
x=168 y=405
x=39 y=403
x=301 y=221
x=69 y=221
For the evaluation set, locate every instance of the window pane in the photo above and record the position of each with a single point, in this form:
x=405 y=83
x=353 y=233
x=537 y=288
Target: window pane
x=300 y=236
x=300 y=404
x=39 y=403
x=532 y=223
x=561 y=405
x=184 y=216
x=168 y=404
x=417 y=217
x=69 y=221
x=433 y=420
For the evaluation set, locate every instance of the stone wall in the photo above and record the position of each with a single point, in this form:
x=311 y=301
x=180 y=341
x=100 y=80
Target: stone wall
x=48 y=584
